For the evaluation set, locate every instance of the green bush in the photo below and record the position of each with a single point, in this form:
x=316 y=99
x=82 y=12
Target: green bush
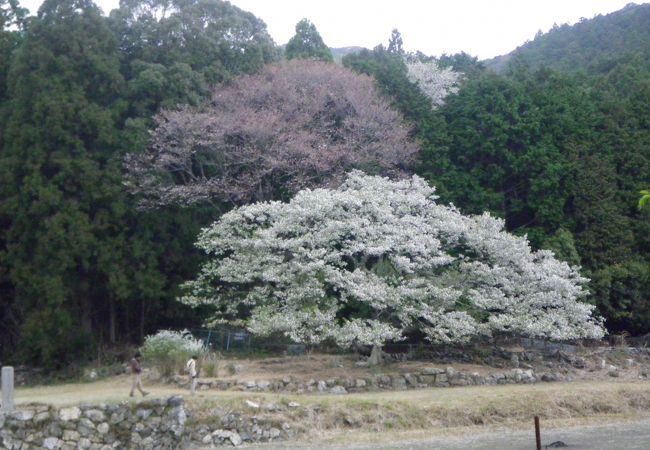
x=169 y=350
x=50 y=340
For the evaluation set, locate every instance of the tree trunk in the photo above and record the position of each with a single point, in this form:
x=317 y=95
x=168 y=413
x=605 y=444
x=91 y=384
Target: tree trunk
x=111 y=321
x=86 y=317
x=127 y=324
x=142 y=321
x=376 y=358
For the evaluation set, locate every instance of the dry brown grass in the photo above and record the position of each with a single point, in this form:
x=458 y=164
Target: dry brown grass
x=481 y=407
x=509 y=406
x=484 y=405
x=322 y=367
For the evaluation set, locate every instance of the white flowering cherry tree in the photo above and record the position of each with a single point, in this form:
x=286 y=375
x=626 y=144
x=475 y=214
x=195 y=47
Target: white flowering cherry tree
x=364 y=263
x=434 y=81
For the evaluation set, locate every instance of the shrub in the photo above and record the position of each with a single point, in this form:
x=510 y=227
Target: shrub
x=210 y=365
x=48 y=339
x=169 y=350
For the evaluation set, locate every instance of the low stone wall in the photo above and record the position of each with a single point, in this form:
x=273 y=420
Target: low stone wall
x=426 y=378
x=150 y=424
x=157 y=423
x=556 y=366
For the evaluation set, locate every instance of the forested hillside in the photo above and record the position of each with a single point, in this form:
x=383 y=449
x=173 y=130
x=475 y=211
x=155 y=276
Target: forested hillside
x=80 y=265
x=560 y=155
x=594 y=46
x=122 y=135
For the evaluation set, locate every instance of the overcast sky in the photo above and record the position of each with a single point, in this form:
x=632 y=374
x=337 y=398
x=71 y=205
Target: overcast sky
x=483 y=28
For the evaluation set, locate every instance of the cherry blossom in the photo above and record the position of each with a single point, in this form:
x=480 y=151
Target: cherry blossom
x=375 y=258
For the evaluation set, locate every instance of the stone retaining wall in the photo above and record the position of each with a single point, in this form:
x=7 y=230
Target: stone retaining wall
x=561 y=366
x=426 y=378
x=150 y=424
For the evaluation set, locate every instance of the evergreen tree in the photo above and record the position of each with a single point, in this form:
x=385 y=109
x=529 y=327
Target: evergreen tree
x=62 y=205
x=391 y=74
x=11 y=32
x=12 y=22
x=307 y=44
x=214 y=38
x=395 y=43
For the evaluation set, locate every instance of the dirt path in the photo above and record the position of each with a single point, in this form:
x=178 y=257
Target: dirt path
x=116 y=389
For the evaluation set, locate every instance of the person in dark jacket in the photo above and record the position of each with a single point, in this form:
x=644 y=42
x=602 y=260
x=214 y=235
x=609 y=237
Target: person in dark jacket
x=136 y=370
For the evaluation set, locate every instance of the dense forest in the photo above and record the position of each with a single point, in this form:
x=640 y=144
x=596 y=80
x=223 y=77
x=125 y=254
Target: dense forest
x=97 y=235
x=593 y=46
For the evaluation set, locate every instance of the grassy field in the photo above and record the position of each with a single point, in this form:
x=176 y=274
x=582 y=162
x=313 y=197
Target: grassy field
x=505 y=405
x=374 y=418
x=382 y=416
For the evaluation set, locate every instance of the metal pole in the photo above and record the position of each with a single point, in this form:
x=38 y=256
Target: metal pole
x=7 y=389
x=538 y=438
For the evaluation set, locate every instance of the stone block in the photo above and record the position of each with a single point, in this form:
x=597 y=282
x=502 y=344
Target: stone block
x=235 y=439
x=95 y=415
x=71 y=435
x=143 y=414
x=51 y=443
x=22 y=416
x=41 y=417
x=7 y=389
x=398 y=383
x=68 y=414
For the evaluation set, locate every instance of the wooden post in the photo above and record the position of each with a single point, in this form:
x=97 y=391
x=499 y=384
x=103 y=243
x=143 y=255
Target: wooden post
x=7 y=389
x=538 y=438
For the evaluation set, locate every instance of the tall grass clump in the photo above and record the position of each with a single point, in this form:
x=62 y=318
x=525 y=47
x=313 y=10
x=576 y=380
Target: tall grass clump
x=169 y=350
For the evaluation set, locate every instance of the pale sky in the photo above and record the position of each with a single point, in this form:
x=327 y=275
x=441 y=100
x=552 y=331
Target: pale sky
x=483 y=28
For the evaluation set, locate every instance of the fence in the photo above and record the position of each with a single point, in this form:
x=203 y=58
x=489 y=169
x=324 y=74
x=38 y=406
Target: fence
x=239 y=340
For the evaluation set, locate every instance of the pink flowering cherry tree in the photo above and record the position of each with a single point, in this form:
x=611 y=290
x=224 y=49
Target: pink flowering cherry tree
x=266 y=136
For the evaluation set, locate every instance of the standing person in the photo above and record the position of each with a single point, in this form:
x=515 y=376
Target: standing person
x=191 y=369
x=136 y=370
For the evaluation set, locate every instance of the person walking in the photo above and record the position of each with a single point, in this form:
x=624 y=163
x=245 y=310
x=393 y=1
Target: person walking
x=136 y=370
x=190 y=367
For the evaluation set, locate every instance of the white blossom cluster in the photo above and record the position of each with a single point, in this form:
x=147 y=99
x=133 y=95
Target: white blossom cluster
x=165 y=342
x=169 y=349
x=375 y=258
x=434 y=82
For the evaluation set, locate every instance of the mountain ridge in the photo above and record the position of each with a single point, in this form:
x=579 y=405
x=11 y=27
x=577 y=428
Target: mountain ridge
x=591 y=45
